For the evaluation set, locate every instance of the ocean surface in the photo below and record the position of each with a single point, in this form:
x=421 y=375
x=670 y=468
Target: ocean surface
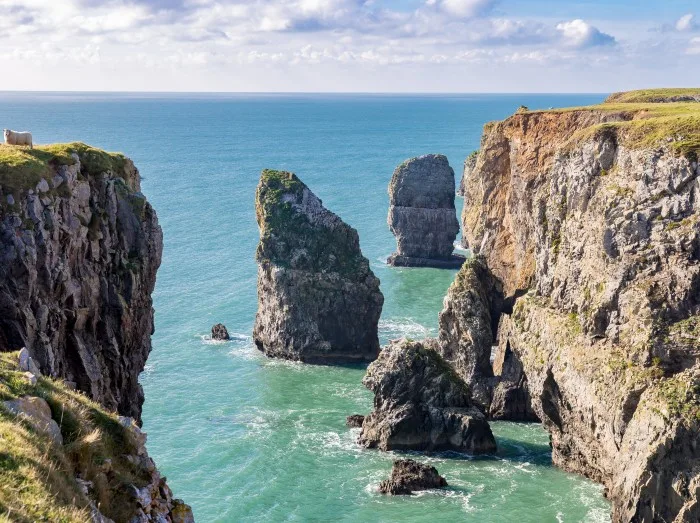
x=244 y=438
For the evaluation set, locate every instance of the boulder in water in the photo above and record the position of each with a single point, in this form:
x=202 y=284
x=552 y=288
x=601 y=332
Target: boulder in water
x=219 y=332
x=355 y=421
x=408 y=475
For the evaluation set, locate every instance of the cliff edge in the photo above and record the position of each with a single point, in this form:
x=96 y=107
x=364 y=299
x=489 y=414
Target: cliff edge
x=589 y=219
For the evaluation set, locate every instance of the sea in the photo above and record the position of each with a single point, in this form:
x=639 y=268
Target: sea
x=244 y=438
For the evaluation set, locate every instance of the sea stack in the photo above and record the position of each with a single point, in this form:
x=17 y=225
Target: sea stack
x=422 y=213
x=318 y=300
x=421 y=404
x=469 y=165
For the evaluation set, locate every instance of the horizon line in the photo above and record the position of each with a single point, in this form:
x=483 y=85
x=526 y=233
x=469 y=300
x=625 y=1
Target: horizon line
x=452 y=93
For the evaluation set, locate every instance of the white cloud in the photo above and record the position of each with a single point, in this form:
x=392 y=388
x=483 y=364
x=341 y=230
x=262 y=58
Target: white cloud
x=694 y=48
x=462 y=8
x=686 y=23
x=580 y=35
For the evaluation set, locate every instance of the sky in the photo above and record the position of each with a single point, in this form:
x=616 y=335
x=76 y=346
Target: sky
x=455 y=46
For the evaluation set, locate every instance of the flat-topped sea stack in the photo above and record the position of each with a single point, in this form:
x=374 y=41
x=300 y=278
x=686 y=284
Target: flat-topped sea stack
x=421 y=404
x=422 y=213
x=318 y=300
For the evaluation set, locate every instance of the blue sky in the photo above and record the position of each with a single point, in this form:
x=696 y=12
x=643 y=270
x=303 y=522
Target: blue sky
x=349 y=45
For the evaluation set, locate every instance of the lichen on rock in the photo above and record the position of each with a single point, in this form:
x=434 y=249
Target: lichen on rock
x=318 y=299
x=422 y=213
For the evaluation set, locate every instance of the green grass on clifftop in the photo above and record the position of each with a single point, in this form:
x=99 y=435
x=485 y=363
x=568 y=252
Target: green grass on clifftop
x=23 y=168
x=641 y=124
x=654 y=95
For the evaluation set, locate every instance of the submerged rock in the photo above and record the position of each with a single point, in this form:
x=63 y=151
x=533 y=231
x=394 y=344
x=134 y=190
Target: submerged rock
x=355 y=421
x=422 y=213
x=219 y=332
x=421 y=404
x=408 y=475
x=318 y=300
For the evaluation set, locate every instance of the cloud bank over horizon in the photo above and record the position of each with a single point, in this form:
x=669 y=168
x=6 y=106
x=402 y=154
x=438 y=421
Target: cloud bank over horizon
x=344 y=45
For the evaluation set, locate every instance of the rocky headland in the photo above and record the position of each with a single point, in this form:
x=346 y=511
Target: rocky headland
x=318 y=300
x=421 y=404
x=587 y=219
x=79 y=251
x=422 y=213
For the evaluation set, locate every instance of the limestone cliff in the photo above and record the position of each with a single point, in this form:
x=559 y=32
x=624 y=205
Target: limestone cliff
x=422 y=213
x=79 y=250
x=589 y=219
x=318 y=300
x=469 y=165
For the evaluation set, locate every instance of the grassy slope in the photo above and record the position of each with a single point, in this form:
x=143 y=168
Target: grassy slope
x=23 y=168
x=644 y=124
x=37 y=480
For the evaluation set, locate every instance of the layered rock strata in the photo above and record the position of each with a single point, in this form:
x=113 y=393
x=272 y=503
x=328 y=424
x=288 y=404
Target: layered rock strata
x=422 y=213
x=421 y=404
x=79 y=250
x=318 y=300
x=408 y=475
x=589 y=219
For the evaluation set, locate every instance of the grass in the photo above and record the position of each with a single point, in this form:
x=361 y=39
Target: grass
x=23 y=168
x=37 y=480
x=644 y=123
x=652 y=95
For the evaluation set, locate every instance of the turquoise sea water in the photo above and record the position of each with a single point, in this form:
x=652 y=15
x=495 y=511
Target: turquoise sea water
x=244 y=438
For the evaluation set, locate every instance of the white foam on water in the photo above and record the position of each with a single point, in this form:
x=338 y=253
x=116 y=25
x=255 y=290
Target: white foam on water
x=403 y=327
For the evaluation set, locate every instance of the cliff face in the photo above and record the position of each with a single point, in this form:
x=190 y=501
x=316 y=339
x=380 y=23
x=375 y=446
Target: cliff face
x=589 y=218
x=422 y=213
x=318 y=300
x=79 y=250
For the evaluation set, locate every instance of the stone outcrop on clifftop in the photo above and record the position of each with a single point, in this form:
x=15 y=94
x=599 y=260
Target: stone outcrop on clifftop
x=589 y=219
x=422 y=213
x=318 y=300
x=421 y=404
x=79 y=250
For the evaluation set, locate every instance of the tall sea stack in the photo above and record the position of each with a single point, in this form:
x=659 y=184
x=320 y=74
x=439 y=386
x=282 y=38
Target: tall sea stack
x=422 y=213
x=318 y=300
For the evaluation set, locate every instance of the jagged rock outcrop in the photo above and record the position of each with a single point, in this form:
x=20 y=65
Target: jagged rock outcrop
x=468 y=324
x=469 y=165
x=355 y=420
x=219 y=332
x=422 y=213
x=79 y=250
x=318 y=300
x=589 y=218
x=408 y=475
x=421 y=404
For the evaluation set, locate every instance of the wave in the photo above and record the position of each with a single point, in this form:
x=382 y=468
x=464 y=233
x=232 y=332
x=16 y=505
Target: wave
x=404 y=327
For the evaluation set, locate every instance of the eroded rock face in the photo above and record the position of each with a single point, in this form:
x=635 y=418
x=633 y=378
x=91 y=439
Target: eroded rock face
x=79 y=252
x=422 y=213
x=421 y=404
x=318 y=300
x=408 y=475
x=596 y=239
x=355 y=420
x=469 y=165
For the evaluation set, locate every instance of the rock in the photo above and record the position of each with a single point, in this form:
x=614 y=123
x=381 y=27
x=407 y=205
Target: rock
x=594 y=235
x=318 y=300
x=469 y=165
x=26 y=363
x=76 y=284
x=408 y=475
x=31 y=378
x=421 y=404
x=135 y=434
x=422 y=213
x=355 y=421
x=37 y=413
x=181 y=512
x=219 y=332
